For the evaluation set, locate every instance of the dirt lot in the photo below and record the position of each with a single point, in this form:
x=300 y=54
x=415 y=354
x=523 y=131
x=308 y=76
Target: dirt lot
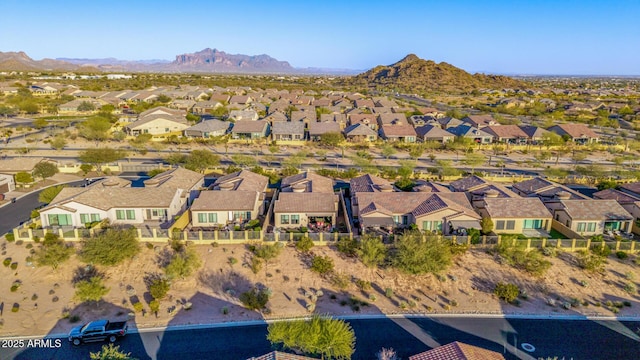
x=46 y=296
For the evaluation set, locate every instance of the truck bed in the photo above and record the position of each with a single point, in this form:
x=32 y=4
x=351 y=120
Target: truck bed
x=117 y=325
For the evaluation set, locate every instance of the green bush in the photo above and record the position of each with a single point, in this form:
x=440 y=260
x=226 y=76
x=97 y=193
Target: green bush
x=622 y=255
x=110 y=248
x=591 y=261
x=138 y=306
x=255 y=299
x=531 y=261
x=304 y=245
x=232 y=261
x=347 y=246
x=506 y=292
x=15 y=308
x=14 y=266
x=158 y=288
x=322 y=264
x=602 y=251
x=154 y=306
x=10 y=237
x=630 y=288
x=6 y=262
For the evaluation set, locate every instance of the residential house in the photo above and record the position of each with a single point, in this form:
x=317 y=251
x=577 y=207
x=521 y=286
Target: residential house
x=317 y=129
x=509 y=134
x=340 y=119
x=308 y=200
x=579 y=133
x=534 y=134
x=19 y=164
x=364 y=104
x=181 y=104
x=240 y=100
x=478 y=136
x=480 y=121
x=274 y=117
x=163 y=196
x=398 y=132
x=516 y=215
x=450 y=122
x=627 y=201
x=369 y=120
x=478 y=188
x=238 y=115
x=304 y=116
x=248 y=129
x=434 y=133
x=631 y=188
x=71 y=107
x=158 y=121
x=591 y=217
x=234 y=198
x=546 y=190
x=433 y=212
x=205 y=107
x=367 y=183
x=207 y=128
x=360 y=133
x=288 y=131
x=457 y=351
x=392 y=119
x=422 y=120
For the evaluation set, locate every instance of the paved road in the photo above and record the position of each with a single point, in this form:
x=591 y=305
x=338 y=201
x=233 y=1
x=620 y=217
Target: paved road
x=12 y=215
x=568 y=339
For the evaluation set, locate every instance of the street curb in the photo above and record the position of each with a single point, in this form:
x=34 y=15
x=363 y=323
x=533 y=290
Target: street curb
x=351 y=317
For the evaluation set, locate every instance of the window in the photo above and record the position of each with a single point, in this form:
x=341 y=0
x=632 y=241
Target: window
x=159 y=212
x=59 y=219
x=87 y=218
x=131 y=214
x=432 y=225
x=591 y=227
x=511 y=224
x=207 y=218
x=284 y=219
x=295 y=219
x=213 y=217
x=581 y=227
x=500 y=225
x=120 y=214
x=202 y=218
x=532 y=224
x=405 y=220
x=241 y=215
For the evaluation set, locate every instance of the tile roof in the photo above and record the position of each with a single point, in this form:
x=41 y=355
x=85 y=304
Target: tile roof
x=595 y=210
x=545 y=189
x=467 y=183
x=574 y=130
x=306 y=202
x=533 y=132
x=312 y=182
x=368 y=183
x=209 y=126
x=613 y=194
x=249 y=126
x=278 y=355
x=533 y=185
x=359 y=130
x=458 y=351
x=220 y=200
x=162 y=110
x=433 y=132
x=468 y=131
x=417 y=203
x=517 y=208
x=243 y=180
x=631 y=187
x=392 y=118
x=397 y=130
x=505 y=131
x=319 y=128
x=286 y=128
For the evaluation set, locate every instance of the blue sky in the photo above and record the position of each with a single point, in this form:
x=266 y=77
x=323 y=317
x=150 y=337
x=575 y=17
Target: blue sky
x=512 y=37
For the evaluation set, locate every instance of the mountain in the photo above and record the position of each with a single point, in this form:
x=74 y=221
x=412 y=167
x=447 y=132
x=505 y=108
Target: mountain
x=213 y=60
x=415 y=74
x=19 y=61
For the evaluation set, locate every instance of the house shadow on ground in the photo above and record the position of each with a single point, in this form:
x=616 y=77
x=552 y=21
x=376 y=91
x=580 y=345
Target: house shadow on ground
x=86 y=313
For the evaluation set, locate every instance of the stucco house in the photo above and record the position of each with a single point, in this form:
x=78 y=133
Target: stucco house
x=162 y=197
x=579 y=133
x=207 y=128
x=158 y=121
x=308 y=200
x=288 y=131
x=515 y=215
x=234 y=198
x=591 y=217
x=248 y=129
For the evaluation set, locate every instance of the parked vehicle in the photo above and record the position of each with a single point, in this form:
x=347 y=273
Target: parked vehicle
x=99 y=330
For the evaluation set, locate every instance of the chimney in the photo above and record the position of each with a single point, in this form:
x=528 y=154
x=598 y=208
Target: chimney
x=386 y=188
x=298 y=188
x=226 y=186
x=563 y=195
x=491 y=194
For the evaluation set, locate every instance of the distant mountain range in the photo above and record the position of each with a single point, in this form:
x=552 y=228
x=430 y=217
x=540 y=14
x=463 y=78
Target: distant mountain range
x=410 y=74
x=415 y=74
x=205 y=61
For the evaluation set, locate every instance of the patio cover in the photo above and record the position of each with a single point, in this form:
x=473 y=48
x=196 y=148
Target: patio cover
x=378 y=222
x=465 y=224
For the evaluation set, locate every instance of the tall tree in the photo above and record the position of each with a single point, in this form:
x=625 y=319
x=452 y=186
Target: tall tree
x=415 y=256
x=200 y=160
x=45 y=170
x=474 y=160
x=99 y=156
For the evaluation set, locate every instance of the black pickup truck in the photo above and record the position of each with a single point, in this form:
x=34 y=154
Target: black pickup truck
x=99 y=330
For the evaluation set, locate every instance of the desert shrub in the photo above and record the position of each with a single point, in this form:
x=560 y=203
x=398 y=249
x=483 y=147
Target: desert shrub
x=415 y=256
x=91 y=290
x=14 y=266
x=149 y=246
x=110 y=248
x=622 y=255
x=158 y=288
x=183 y=264
x=304 y=245
x=531 y=261
x=154 y=306
x=341 y=281
x=225 y=310
x=255 y=265
x=630 y=288
x=15 y=308
x=255 y=299
x=549 y=251
x=10 y=237
x=388 y=292
x=53 y=252
x=322 y=264
x=347 y=246
x=232 y=261
x=74 y=319
x=138 y=306
x=506 y=292
x=363 y=285
x=6 y=262
x=591 y=261
x=601 y=251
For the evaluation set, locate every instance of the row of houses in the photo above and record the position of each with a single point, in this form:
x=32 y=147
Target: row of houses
x=307 y=200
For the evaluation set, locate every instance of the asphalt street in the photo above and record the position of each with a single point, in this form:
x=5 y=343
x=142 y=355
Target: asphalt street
x=566 y=339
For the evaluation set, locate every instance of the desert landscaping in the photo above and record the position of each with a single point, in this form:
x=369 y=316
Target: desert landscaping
x=40 y=300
